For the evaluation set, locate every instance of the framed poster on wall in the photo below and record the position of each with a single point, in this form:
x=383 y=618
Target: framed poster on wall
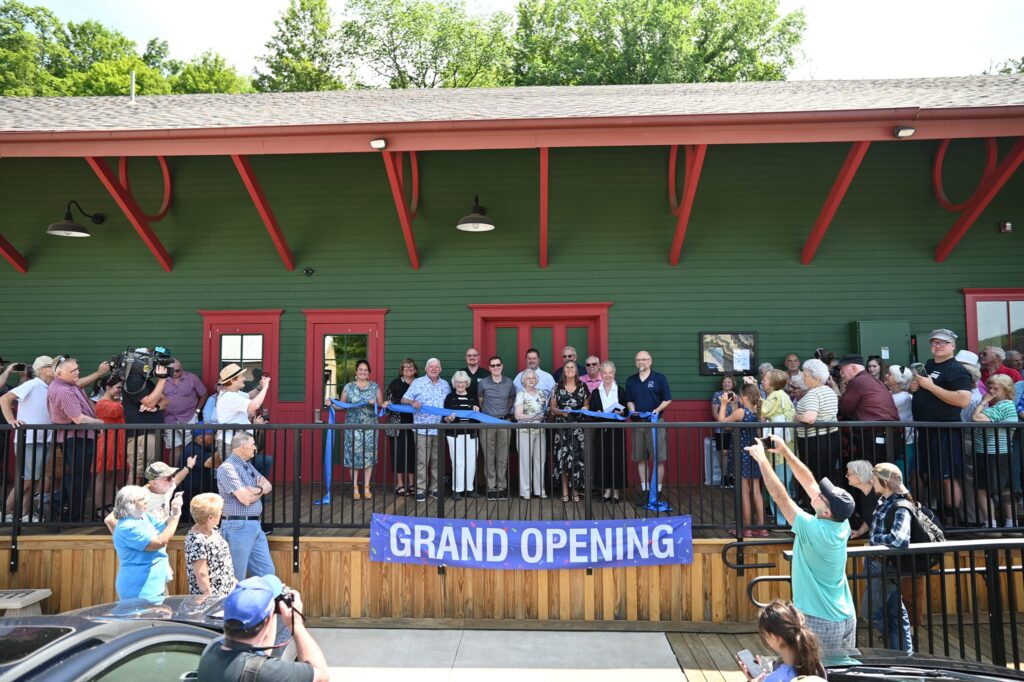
x=728 y=353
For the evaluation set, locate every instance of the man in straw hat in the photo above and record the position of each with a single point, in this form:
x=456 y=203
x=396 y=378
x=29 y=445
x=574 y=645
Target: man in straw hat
x=235 y=406
x=820 y=589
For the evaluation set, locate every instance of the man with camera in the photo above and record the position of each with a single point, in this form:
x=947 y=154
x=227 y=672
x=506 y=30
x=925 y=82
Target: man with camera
x=142 y=395
x=31 y=399
x=250 y=627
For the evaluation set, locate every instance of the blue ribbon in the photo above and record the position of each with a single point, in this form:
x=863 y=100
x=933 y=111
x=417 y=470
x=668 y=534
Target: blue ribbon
x=653 y=503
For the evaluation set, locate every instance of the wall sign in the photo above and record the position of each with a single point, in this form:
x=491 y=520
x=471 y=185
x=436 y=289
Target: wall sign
x=728 y=353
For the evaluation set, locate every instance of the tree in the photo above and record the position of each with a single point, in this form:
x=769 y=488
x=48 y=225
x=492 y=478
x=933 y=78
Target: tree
x=113 y=77
x=31 y=45
x=89 y=43
x=303 y=54
x=209 y=72
x=591 y=42
x=423 y=44
x=157 y=56
x=1009 y=66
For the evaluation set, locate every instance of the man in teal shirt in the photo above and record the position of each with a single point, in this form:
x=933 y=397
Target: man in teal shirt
x=820 y=589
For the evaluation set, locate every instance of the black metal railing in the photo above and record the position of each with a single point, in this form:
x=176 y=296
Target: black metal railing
x=74 y=484
x=956 y=598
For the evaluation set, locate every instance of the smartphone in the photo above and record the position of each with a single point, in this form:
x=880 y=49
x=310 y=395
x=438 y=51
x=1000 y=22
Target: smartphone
x=19 y=367
x=747 y=659
x=918 y=369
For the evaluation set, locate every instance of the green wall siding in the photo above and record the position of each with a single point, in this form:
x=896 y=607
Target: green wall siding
x=610 y=233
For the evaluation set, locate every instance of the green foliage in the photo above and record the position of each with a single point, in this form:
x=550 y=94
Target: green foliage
x=591 y=42
x=157 y=55
x=32 y=47
x=303 y=54
x=90 y=43
x=1009 y=66
x=425 y=44
x=113 y=77
x=209 y=72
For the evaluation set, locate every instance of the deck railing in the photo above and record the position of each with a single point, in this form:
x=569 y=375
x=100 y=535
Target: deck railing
x=293 y=458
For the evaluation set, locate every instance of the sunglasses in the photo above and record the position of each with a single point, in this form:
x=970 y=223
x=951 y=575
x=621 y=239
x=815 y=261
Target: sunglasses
x=593 y=364
x=495 y=364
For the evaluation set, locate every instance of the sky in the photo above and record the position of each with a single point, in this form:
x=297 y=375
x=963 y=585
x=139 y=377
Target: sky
x=844 y=39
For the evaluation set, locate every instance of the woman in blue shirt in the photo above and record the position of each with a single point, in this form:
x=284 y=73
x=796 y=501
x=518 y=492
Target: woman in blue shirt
x=782 y=628
x=141 y=544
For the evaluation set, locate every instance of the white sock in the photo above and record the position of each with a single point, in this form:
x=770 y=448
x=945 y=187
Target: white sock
x=1008 y=523
x=659 y=487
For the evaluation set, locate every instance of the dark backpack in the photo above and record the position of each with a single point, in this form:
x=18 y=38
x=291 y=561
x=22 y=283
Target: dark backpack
x=924 y=527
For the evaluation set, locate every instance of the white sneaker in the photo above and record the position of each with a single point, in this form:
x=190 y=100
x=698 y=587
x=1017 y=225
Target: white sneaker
x=31 y=518
x=8 y=518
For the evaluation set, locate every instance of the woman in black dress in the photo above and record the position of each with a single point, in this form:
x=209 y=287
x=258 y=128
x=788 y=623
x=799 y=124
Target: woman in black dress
x=403 y=443
x=610 y=450
x=569 y=394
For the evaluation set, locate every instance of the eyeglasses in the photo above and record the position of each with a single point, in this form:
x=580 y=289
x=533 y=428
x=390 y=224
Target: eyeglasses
x=939 y=342
x=567 y=356
x=178 y=371
x=593 y=364
x=61 y=359
x=495 y=364
x=472 y=355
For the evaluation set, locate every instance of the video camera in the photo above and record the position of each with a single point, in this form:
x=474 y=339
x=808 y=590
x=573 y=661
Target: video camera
x=135 y=366
x=828 y=357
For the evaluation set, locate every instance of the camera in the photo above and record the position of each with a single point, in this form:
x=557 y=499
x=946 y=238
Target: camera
x=828 y=357
x=135 y=367
x=18 y=367
x=285 y=597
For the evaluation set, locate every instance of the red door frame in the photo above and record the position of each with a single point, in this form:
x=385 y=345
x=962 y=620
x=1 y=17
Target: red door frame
x=266 y=322
x=525 y=315
x=342 y=321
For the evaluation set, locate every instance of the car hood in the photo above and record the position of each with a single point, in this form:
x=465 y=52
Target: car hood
x=200 y=610
x=898 y=665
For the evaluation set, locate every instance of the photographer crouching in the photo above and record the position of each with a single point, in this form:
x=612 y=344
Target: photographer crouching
x=250 y=627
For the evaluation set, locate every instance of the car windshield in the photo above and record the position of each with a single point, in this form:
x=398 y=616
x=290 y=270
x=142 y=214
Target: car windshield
x=23 y=640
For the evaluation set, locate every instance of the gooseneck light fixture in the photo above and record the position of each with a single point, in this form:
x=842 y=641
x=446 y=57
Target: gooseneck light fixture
x=477 y=221
x=69 y=228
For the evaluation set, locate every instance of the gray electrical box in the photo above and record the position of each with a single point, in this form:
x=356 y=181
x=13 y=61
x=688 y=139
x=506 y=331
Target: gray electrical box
x=888 y=338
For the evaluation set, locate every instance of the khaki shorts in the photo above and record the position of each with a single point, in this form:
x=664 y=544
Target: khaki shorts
x=643 y=444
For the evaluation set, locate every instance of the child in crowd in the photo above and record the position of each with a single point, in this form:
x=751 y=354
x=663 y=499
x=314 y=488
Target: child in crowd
x=778 y=407
x=783 y=630
x=748 y=410
x=992 y=449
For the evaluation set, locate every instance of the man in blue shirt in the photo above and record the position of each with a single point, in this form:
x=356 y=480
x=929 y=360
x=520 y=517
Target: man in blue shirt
x=819 y=584
x=648 y=391
x=243 y=489
x=427 y=390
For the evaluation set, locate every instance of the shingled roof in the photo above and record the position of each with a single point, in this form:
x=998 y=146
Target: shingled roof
x=340 y=108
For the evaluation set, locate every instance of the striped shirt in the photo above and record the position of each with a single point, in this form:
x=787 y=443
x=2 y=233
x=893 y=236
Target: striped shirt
x=65 y=401
x=235 y=473
x=990 y=440
x=825 y=402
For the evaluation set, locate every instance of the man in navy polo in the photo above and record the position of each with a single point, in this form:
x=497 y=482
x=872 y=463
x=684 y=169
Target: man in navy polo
x=648 y=391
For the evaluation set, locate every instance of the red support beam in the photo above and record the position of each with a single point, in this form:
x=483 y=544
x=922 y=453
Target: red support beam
x=835 y=197
x=404 y=215
x=682 y=209
x=263 y=208
x=980 y=201
x=543 y=207
x=124 y=199
x=13 y=256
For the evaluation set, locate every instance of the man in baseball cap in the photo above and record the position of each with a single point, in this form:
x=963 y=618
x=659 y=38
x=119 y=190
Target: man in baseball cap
x=250 y=629
x=161 y=480
x=820 y=589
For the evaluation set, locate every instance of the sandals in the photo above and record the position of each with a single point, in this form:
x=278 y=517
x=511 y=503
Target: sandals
x=356 y=495
x=565 y=499
x=575 y=497
x=367 y=494
x=401 y=491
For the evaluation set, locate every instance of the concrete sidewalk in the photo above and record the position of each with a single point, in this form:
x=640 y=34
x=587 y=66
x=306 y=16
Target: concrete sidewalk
x=497 y=655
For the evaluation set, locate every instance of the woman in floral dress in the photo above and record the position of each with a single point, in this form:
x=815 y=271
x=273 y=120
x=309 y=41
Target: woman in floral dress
x=361 y=444
x=569 y=394
x=207 y=557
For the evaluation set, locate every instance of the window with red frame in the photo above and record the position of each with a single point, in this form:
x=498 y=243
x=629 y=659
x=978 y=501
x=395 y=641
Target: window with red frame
x=995 y=317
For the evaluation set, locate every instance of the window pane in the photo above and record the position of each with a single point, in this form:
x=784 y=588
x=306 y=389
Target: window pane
x=164 y=662
x=230 y=347
x=1017 y=325
x=993 y=325
x=341 y=352
x=252 y=347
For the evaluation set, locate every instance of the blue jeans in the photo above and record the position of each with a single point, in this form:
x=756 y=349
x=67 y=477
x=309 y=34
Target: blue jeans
x=264 y=464
x=249 y=548
x=888 y=613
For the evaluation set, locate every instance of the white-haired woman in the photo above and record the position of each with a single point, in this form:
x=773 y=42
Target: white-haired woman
x=610 y=444
x=140 y=541
x=207 y=556
x=858 y=477
x=818 y=446
x=462 y=442
x=897 y=379
x=530 y=405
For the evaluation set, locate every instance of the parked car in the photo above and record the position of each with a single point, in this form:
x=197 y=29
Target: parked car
x=858 y=665
x=128 y=640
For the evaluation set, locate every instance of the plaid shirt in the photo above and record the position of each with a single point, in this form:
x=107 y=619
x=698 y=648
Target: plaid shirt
x=65 y=401
x=899 y=535
x=232 y=474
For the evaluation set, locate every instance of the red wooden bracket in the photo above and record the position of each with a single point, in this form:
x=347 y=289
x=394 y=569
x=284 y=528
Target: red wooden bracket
x=165 y=205
x=543 y=207
x=682 y=208
x=263 y=208
x=981 y=199
x=991 y=156
x=393 y=165
x=123 y=198
x=835 y=197
x=414 y=170
x=13 y=256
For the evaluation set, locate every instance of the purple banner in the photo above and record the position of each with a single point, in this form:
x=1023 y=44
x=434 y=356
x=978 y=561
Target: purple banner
x=531 y=544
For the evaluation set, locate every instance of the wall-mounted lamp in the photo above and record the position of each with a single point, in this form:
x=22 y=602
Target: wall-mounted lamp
x=379 y=143
x=903 y=132
x=477 y=221
x=69 y=228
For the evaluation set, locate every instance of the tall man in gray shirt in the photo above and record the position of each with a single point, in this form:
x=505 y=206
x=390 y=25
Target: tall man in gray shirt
x=497 y=394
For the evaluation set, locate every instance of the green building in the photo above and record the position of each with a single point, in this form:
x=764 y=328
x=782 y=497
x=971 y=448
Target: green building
x=304 y=230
